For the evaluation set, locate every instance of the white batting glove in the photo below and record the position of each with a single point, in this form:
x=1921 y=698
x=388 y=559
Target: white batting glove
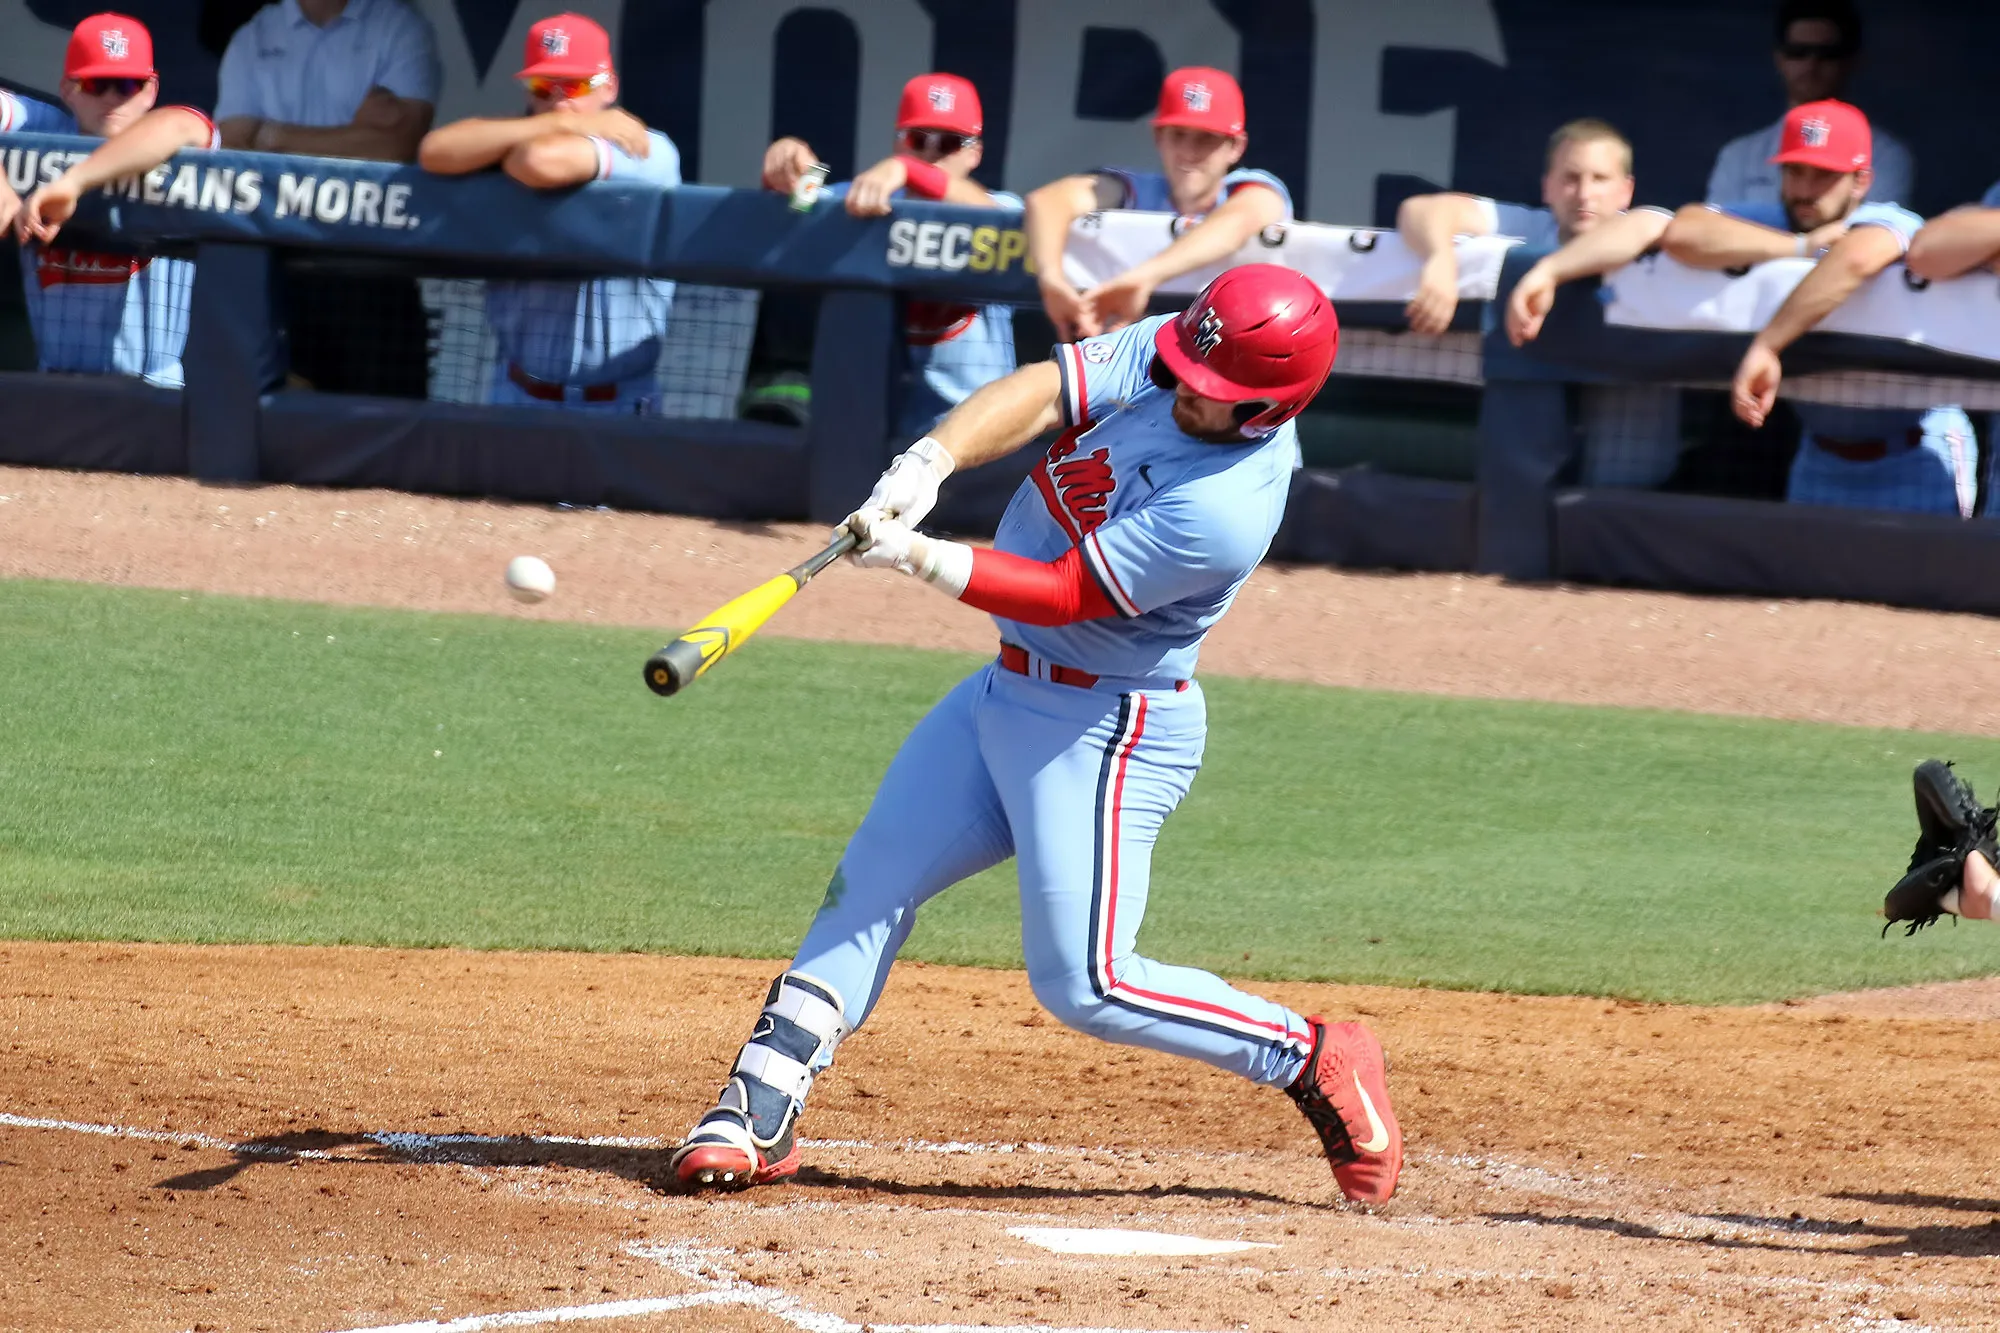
x=881 y=542
x=888 y=543
x=909 y=489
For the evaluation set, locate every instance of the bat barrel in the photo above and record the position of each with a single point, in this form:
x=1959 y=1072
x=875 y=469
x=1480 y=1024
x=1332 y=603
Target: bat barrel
x=673 y=668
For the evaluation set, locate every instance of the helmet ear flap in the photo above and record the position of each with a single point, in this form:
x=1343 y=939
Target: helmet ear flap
x=1162 y=377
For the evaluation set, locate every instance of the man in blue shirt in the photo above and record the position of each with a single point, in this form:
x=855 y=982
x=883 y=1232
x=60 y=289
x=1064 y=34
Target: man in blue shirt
x=330 y=78
x=1630 y=433
x=1199 y=131
x=339 y=78
x=92 y=312
x=1960 y=242
x=1869 y=458
x=1818 y=44
x=952 y=348
x=589 y=345
x=1128 y=541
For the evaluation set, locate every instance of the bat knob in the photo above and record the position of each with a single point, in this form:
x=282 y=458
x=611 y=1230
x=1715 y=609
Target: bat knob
x=660 y=677
x=674 y=667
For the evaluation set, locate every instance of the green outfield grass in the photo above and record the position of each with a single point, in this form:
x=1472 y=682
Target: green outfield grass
x=203 y=768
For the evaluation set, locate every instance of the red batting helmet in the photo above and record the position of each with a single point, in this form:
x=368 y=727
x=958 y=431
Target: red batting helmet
x=1261 y=335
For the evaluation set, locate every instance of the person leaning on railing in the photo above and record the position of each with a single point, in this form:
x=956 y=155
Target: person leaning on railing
x=1864 y=458
x=582 y=345
x=339 y=78
x=96 y=313
x=1963 y=241
x=1199 y=130
x=1630 y=432
x=953 y=348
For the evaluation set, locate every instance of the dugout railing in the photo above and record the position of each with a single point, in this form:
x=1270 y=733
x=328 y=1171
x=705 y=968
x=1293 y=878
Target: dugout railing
x=237 y=421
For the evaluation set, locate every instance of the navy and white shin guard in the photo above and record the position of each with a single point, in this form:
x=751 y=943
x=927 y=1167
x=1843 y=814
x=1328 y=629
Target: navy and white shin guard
x=750 y=1138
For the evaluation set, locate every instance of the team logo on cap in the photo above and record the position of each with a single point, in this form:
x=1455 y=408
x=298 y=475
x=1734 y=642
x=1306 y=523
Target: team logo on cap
x=116 y=45
x=1815 y=132
x=1208 y=333
x=1197 y=96
x=555 y=42
x=943 y=98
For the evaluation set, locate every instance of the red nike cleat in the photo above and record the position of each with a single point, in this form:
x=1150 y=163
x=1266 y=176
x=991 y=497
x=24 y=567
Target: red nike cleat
x=721 y=1161
x=1344 y=1094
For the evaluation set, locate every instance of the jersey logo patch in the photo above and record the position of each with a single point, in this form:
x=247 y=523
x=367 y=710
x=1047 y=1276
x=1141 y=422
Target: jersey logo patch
x=1208 y=333
x=1076 y=487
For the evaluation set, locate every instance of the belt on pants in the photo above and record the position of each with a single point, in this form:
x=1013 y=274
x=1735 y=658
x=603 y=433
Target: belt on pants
x=1871 y=451
x=1015 y=658
x=549 y=391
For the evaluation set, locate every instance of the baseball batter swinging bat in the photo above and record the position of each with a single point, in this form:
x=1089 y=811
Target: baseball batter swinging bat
x=723 y=630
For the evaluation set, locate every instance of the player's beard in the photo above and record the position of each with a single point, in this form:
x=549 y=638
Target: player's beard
x=1233 y=434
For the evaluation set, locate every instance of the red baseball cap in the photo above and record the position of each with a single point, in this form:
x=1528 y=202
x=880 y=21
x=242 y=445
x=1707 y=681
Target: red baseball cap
x=1831 y=135
x=940 y=102
x=109 y=46
x=1201 y=99
x=567 y=46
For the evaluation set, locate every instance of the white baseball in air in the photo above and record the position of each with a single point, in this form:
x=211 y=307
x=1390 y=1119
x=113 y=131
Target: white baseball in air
x=529 y=578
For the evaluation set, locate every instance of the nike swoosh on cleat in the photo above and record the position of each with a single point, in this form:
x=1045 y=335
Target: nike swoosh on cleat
x=1378 y=1133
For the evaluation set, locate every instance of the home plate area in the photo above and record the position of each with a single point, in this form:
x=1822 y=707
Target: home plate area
x=317 y=1141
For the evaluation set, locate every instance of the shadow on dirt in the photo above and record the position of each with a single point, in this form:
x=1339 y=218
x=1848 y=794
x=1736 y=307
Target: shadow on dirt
x=1889 y=1241
x=812 y=1177
x=647 y=1166
x=651 y=1167
x=1951 y=1201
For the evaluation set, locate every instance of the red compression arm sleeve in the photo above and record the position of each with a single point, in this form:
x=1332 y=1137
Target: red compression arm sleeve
x=927 y=180
x=1059 y=593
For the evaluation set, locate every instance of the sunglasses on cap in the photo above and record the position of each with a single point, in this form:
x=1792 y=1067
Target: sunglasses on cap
x=110 y=87
x=942 y=142
x=566 y=88
x=1815 y=50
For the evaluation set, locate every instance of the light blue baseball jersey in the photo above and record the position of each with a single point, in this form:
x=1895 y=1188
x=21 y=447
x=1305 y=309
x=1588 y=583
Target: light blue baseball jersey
x=94 y=313
x=31 y=115
x=952 y=348
x=1169 y=526
x=1931 y=467
x=1147 y=191
x=282 y=66
x=592 y=332
x=1848 y=423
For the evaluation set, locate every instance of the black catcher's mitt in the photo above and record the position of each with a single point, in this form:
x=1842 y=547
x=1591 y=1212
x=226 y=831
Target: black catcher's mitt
x=1951 y=826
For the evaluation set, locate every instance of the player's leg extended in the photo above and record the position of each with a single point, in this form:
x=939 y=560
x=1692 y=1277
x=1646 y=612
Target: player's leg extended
x=935 y=820
x=1087 y=780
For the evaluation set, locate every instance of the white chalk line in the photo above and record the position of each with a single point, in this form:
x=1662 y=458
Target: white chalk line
x=721 y=1285
x=417 y=1145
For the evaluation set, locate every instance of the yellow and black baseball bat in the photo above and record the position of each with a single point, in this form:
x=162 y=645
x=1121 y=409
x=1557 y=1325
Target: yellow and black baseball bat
x=723 y=630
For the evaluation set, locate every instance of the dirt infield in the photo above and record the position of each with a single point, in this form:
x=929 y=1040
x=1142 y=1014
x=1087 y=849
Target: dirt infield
x=238 y=1138
x=323 y=1139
